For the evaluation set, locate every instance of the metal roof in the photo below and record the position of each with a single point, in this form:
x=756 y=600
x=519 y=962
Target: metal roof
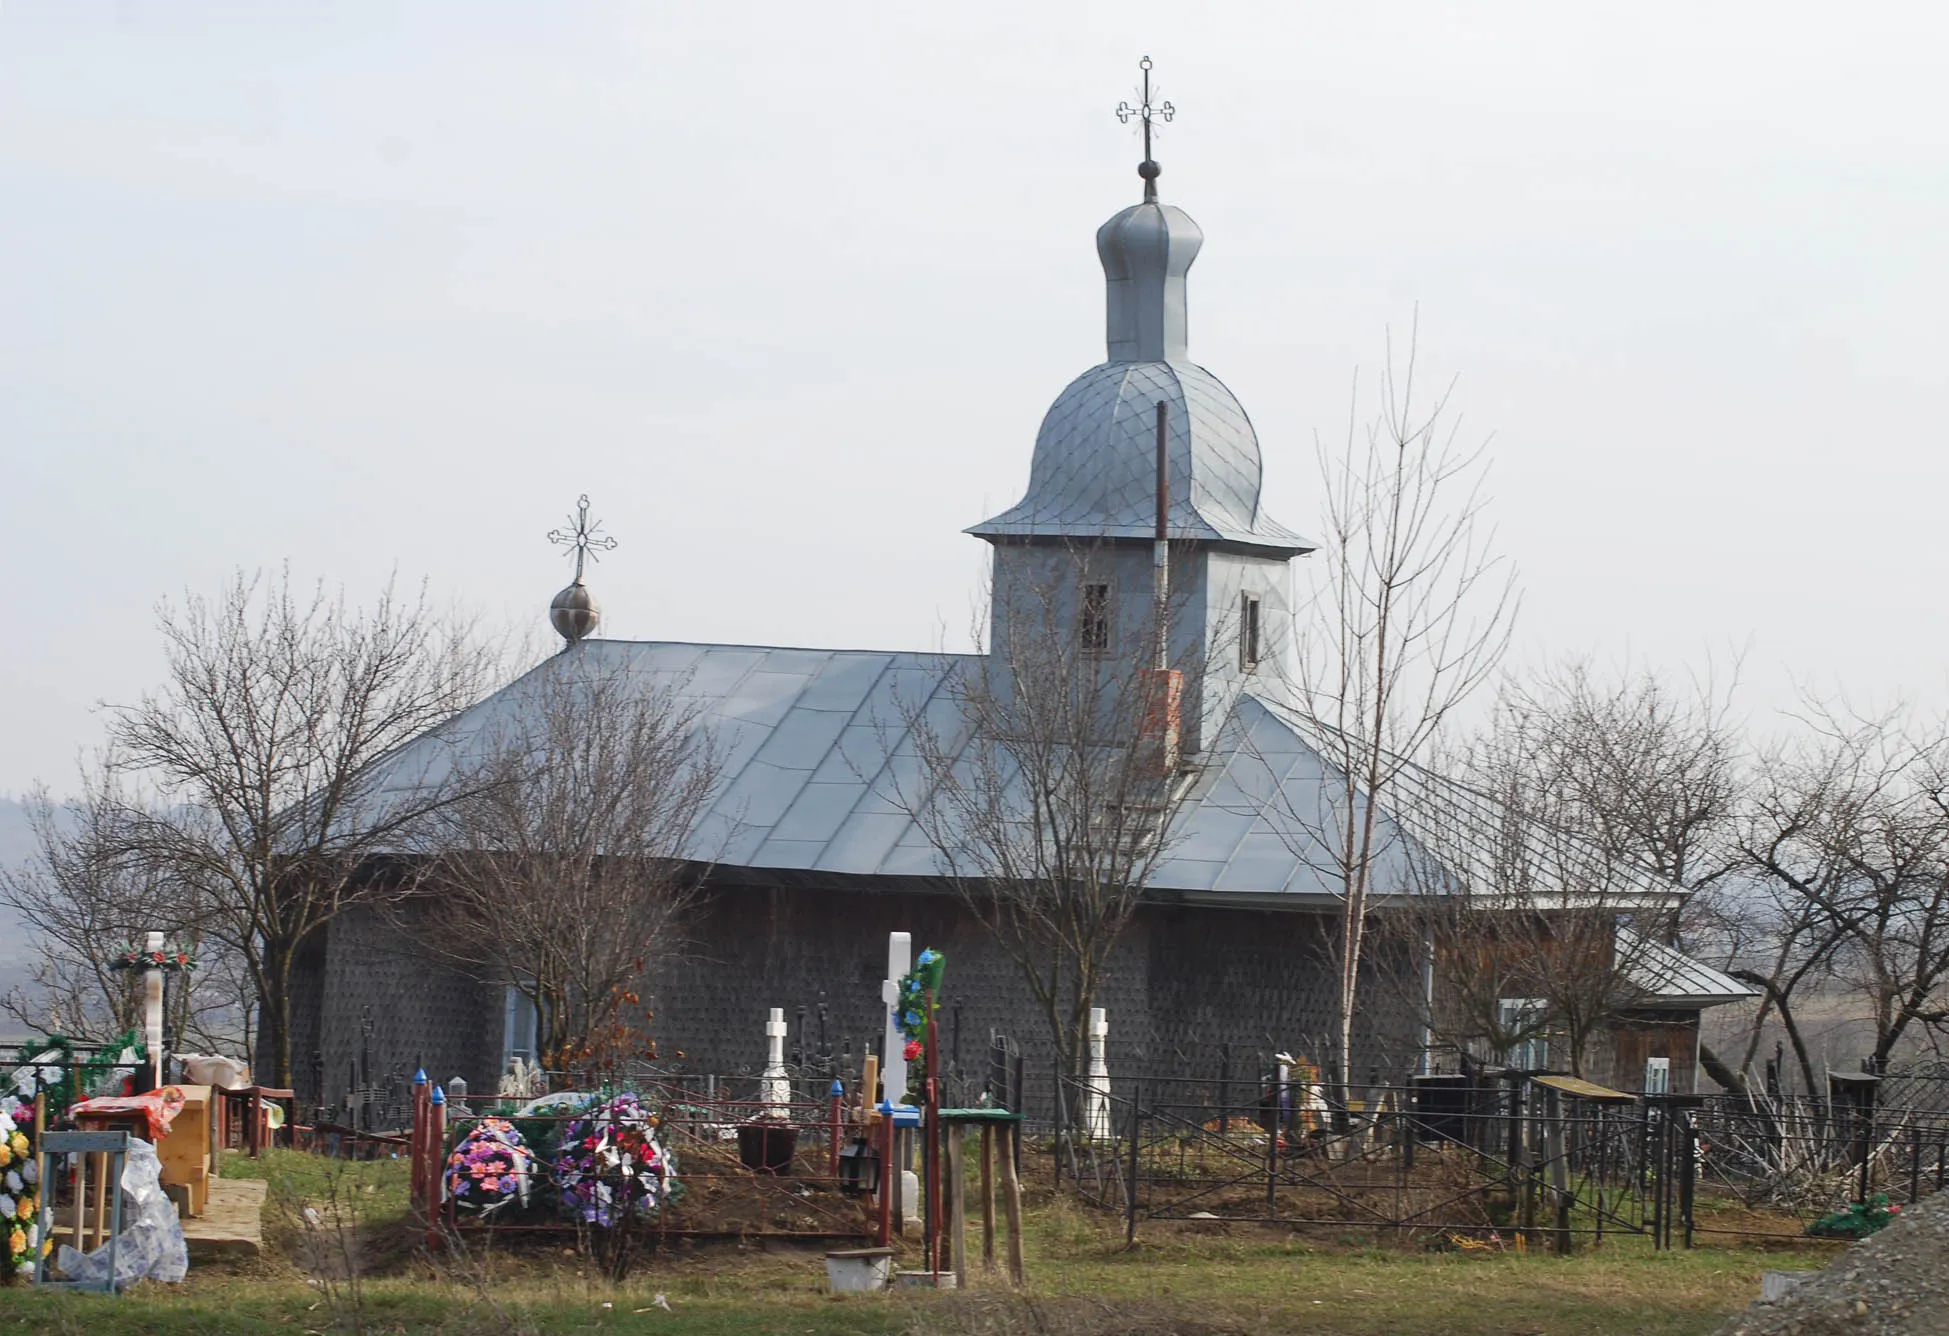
x=1671 y=978
x=821 y=772
x=1094 y=472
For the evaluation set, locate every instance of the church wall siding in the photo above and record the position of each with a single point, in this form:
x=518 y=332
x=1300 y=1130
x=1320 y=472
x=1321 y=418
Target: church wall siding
x=1181 y=982
x=422 y=1011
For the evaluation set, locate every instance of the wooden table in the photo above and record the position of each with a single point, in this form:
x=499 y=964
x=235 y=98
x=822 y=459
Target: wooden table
x=1001 y=1132
x=184 y=1149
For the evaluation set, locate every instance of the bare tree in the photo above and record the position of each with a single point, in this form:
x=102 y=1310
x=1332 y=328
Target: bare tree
x=258 y=748
x=1411 y=613
x=1647 y=775
x=1049 y=785
x=1537 y=930
x=87 y=897
x=1850 y=834
x=567 y=865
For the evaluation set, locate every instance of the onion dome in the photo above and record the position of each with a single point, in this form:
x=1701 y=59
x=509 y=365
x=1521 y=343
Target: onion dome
x=1094 y=472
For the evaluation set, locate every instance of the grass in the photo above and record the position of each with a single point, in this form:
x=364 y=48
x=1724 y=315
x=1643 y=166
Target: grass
x=1200 y=1280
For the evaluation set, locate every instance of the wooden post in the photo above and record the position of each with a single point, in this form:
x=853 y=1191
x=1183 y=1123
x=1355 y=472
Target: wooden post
x=1558 y=1150
x=834 y=1128
x=931 y=1093
x=889 y=1176
x=957 y=1202
x=416 y=1144
x=80 y=1201
x=1012 y=1201
x=434 y=1147
x=988 y=1196
x=98 y=1219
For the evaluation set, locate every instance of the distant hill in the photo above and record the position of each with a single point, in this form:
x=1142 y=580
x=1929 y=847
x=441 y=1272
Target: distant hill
x=16 y=847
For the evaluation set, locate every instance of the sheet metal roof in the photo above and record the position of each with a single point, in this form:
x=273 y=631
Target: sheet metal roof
x=821 y=774
x=1671 y=978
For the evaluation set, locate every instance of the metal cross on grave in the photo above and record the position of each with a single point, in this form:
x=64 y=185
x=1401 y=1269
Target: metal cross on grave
x=586 y=540
x=1146 y=113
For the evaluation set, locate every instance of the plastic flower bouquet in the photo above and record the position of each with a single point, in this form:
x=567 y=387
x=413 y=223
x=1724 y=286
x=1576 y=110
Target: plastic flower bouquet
x=612 y=1165
x=19 y=1191
x=489 y=1168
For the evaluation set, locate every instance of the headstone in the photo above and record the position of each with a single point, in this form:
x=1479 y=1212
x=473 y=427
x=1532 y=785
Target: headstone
x=1096 y=1101
x=777 y=1086
x=893 y=1070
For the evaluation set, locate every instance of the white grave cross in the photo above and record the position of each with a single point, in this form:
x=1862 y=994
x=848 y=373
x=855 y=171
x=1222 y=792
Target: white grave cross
x=893 y=1068
x=1096 y=1102
x=778 y=1086
x=152 y=1007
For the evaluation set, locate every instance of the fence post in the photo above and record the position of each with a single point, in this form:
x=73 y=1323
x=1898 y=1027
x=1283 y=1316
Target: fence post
x=1272 y=1131
x=1224 y=1089
x=1688 y=1172
x=1136 y=1140
x=433 y=1147
x=1061 y=1119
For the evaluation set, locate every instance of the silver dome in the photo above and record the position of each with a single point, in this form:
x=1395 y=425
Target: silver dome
x=1094 y=474
x=1094 y=470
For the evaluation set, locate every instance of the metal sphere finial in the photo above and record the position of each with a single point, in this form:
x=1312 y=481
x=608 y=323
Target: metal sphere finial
x=573 y=612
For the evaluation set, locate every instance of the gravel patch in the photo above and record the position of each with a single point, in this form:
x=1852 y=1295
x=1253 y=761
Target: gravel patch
x=1895 y=1283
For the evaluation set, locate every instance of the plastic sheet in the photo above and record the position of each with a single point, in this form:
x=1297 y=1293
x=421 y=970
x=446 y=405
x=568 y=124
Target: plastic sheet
x=151 y=1246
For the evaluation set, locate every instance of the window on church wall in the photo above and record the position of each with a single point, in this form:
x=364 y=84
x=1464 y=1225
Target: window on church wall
x=1093 y=618
x=518 y=1035
x=1524 y=1016
x=1248 y=632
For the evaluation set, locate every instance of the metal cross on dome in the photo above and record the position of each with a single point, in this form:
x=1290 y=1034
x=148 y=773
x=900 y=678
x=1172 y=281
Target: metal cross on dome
x=1144 y=111
x=584 y=539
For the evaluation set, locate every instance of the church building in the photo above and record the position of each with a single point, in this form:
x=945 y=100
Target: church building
x=814 y=855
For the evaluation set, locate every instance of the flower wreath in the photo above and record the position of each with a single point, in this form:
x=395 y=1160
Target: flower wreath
x=611 y=1164
x=20 y=1232
x=48 y=1067
x=168 y=961
x=916 y=987
x=489 y=1167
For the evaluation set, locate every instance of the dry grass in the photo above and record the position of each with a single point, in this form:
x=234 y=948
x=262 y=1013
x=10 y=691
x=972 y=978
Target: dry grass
x=1192 y=1279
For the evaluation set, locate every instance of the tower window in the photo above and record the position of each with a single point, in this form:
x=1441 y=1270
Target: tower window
x=1248 y=632
x=1093 y=619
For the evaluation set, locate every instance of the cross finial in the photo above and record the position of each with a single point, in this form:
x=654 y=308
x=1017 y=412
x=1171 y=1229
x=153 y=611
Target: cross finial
x=1146 y=112
x=586 y=540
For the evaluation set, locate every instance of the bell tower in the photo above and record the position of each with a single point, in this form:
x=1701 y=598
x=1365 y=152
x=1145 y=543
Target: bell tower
x=1076 y=553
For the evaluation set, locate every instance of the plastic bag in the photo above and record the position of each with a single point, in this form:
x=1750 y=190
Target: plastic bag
x=151 y=1245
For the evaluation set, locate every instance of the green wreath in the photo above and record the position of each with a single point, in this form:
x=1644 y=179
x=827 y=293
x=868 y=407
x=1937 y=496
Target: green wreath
x=919 y=996
x=48 y=1067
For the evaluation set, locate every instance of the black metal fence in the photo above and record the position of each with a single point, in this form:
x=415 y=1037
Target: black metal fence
x=1517 y=1160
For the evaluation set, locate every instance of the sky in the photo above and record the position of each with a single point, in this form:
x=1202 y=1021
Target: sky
x=372 y=290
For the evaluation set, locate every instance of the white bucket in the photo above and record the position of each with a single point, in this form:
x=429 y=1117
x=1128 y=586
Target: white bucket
x=858 y=1270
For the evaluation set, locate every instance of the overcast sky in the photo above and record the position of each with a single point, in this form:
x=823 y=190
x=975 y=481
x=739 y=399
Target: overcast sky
x=787 y=288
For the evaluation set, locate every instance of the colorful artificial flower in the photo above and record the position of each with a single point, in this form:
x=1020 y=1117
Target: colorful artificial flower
x=489 y=1167
x=913 y=1050
x=612 y=1166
